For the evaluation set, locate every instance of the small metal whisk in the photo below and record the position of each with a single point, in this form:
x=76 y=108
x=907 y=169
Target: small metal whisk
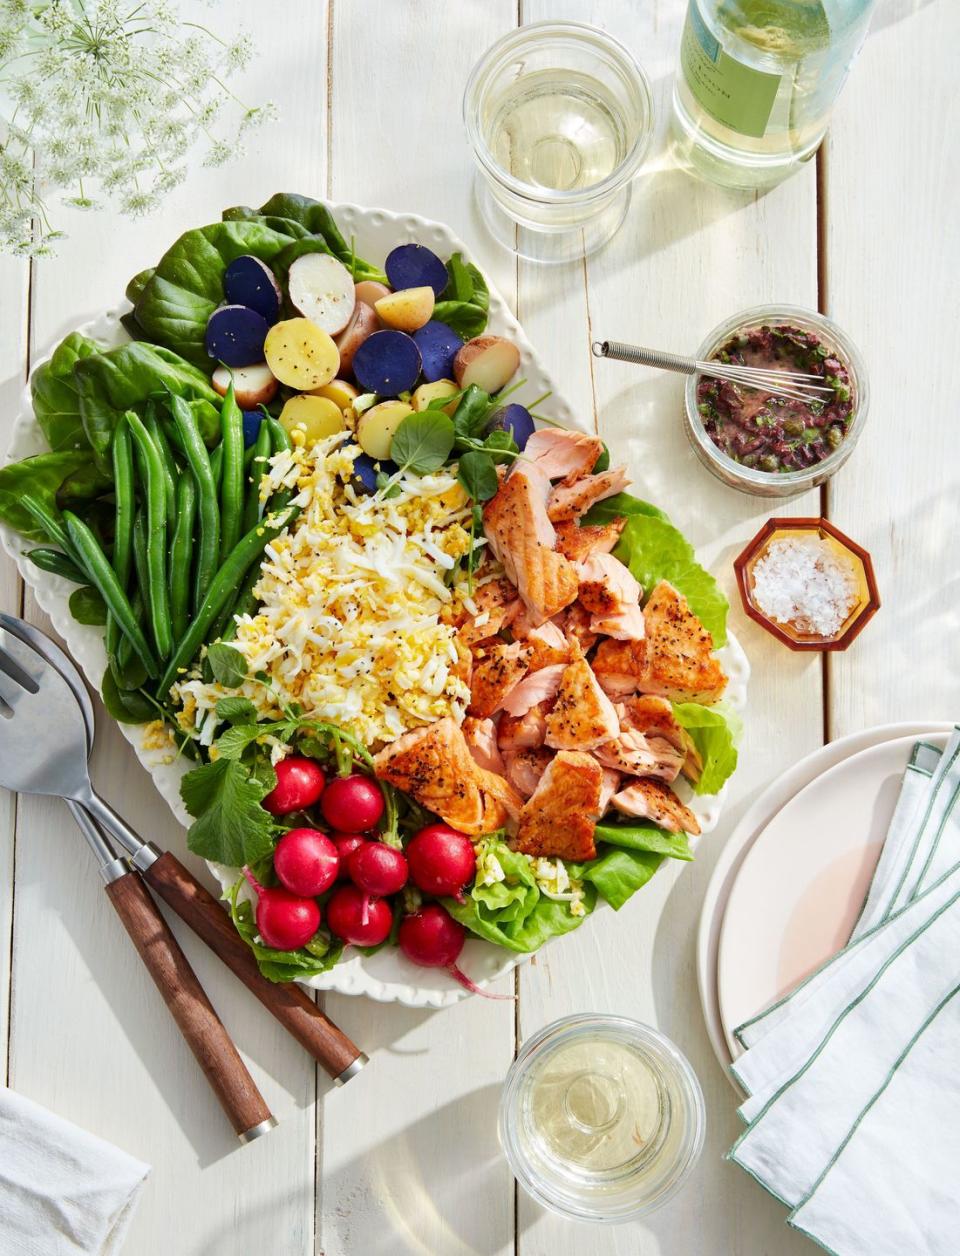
x=793 y=384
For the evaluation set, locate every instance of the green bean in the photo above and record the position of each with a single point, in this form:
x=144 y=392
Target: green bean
x=196 y=453
x=121 y=453
x=231 y=574
x=258 y=465
x=170 y=471
x=247 y=603
x=48 y=520
x=231 y=482
x=56 y=562
x=279 y=442
x=181 y=553
x=104 y=578
x=155 y=494
x=128 y=671
x=216 y=466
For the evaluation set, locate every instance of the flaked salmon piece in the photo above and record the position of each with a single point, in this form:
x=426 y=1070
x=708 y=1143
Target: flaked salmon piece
x=607 y=587
x=656 y=802
x=654 y=717
x=570 y=501
x=497 y=604
x=574 y=623
x=578 y=541
x=522 y=537
x=679 y=662
x=625 y=625
x=536 y=687
x=632 y=753
x=548 y=646
x=501 y=798
x=522 y=732
x=497 y=669
x=582 y=717
x=435 y=767
x=524 y=769
x=609 y=785
x=481 y=739
x=559 y=818
x=563 y=455
x=618 y=666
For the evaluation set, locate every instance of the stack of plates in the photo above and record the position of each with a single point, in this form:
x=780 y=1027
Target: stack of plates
x=792 y=877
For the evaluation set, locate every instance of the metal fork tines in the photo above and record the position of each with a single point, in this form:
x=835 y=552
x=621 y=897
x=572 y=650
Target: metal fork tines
x=796 y=385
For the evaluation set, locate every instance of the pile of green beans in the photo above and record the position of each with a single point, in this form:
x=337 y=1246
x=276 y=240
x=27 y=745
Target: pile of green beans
x=189 y=529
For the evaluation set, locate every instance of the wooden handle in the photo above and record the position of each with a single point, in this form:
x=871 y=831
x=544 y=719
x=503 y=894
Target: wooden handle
x=191 y=1009
x=287 y=1001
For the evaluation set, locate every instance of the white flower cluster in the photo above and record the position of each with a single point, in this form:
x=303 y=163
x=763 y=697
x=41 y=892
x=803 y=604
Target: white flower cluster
x=104 y=98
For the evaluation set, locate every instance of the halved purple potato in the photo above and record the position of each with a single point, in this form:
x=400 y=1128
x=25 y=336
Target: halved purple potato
x=251 y=427
x=414 y=266
x=438 y=345
x=387 y=363
x=515 y=419
x=248 y=281
x=365 y=471
x=235 y=335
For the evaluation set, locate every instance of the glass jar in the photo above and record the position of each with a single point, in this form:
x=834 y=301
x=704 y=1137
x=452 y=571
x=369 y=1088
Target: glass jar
x=601 y=1118
x=559 y=116
x=778 y=483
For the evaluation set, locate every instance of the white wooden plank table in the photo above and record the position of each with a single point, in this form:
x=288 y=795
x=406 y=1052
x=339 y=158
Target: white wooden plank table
x=405 y=1158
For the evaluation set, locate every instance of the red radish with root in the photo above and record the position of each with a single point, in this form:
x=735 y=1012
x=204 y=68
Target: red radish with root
x=432 y=938
x=346 y=844
x=356 y=917
x=378 y=869
x=306 y=862
x=352 y=804
x=285 y=921
x=442 y=861
x=299 y=785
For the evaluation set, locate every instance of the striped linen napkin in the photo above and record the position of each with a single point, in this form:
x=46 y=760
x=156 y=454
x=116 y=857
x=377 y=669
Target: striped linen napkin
x=831 y=1069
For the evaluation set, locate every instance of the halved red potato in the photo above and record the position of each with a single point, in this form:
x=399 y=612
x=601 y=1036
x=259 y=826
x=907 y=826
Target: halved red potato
x=361 y=326
x=252 y=385
x=406 y=310
x=322 y=289
x=369 y=291
x=488 y=361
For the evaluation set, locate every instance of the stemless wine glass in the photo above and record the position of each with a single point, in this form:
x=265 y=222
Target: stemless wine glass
x=559 y=116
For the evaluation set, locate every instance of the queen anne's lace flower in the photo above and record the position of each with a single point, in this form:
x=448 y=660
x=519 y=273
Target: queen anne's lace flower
x=109 y=93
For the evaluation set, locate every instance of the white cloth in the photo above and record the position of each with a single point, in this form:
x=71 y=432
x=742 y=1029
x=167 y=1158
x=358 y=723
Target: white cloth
x=891 y=1187
x=802 y=1126
x=63 y=1192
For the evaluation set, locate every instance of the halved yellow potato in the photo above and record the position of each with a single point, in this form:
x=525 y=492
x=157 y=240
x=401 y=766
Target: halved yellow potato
x=426 y=393
x=300 y=354
x=340 y=391
x=317 y=416
x=406 y=310
x=377 y=426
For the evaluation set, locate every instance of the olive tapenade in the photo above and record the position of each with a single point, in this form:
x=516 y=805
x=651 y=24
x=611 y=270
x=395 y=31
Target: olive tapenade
x=769 y=433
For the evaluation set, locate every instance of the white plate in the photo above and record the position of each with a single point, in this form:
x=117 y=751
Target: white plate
x=386 y=976
x=738 y=843
x=801 y=886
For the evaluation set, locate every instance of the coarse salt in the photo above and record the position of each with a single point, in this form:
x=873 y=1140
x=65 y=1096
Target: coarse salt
x=802 y=581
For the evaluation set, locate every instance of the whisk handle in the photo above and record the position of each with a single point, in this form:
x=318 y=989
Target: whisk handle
x=621 y=352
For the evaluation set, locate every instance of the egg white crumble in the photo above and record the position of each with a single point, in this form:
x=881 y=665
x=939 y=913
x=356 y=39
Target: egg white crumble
x=356 y=623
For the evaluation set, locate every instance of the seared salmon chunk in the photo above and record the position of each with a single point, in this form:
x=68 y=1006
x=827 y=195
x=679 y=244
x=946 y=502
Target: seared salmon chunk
x=559 y=818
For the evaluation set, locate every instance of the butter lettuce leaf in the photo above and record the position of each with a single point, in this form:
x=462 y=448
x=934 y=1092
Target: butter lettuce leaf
x=714 y=731
x=617 y=873
x=639 y=835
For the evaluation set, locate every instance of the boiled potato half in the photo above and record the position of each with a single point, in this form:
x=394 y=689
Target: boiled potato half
x=340 y=391
x=377 y=426
x=317 y=416
x=300 y=355
x=428 y=393
x=489 y=361
x=407 y=310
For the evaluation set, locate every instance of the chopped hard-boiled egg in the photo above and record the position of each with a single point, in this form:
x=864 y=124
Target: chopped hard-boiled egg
x=354 y=624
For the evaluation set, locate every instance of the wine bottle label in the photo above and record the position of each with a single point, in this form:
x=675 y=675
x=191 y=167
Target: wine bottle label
x=736 y=95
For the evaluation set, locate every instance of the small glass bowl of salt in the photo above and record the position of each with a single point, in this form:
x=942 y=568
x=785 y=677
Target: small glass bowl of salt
x=807 y=583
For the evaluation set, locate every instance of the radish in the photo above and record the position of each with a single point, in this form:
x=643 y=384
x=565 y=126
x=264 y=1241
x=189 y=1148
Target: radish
x=299 y=785
x=322 y=289
x=352 y=804
x=432 y=938
x=378 y=869
x=285 y=921
x=357 y=918
x=346 y=844
x=442 y=861
x=306 y=862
